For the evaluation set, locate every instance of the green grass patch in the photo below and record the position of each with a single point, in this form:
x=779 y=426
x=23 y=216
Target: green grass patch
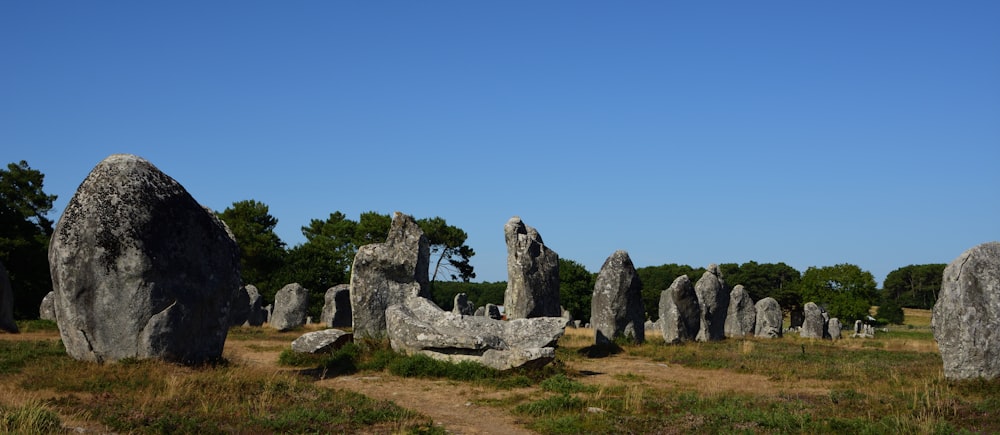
x=564 y=385
x=36 y=325
x=15 y=355
x=30 y=418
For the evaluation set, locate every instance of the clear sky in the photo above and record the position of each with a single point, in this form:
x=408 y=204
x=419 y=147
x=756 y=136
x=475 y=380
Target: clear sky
x=810 y=133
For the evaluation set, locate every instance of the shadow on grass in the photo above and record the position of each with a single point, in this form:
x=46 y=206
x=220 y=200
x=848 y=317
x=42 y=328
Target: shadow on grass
x=602 y=350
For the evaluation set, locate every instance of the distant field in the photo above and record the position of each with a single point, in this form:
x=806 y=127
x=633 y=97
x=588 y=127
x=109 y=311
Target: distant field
x=917 y=318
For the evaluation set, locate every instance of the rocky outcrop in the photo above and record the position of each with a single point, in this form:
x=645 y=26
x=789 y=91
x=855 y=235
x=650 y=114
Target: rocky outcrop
x=813 y=324
x=388 y=273
x=769 y=318
x=966 y=317
x=532 y=273
x=616 y=308
x=418 y=326
x=290 y=306
x=140 y=270
x=47 y=309
x=680 y=314
x=714 y=302
x=325 y=341
x=463 y=306
x=337 y=306
x=6 y=302
x=741 y=318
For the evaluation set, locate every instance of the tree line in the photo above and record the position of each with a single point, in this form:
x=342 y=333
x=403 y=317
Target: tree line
x=325 y=259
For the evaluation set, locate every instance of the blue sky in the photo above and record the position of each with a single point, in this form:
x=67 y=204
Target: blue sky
x=810 y=133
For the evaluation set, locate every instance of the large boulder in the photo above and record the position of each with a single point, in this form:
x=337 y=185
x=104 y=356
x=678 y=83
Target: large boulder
x=418 y=326
x=742 y=315
x=532 y=274
x=966 y=317
x=680 y=314
x=714 y=302
x=616 y=308
x=769 y=318
x=388 y=273
x=325 y=341
x=337 y=306
x=290 y=306
x=140 y=270
x=47 y=309
x=6 y=302
x=813 y=324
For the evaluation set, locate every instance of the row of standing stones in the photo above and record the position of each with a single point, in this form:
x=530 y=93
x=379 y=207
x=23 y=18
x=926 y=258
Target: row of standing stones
x=141 y=270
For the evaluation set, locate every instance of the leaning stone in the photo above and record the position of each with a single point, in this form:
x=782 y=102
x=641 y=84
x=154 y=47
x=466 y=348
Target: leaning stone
x=833 y=327
x=47 y=309
x=388 y=273
x=714 y=302
x=769 y=318
x=419 y=326
x=6 y=302
x=532 y=274
x=337 y=307
x=966 y=317
x=616 y=308
x=742 y=315
x=290 y=306
x=680 y=314
x=140 y=269
x=462 y=305
x=813 y=325
x=325 y=341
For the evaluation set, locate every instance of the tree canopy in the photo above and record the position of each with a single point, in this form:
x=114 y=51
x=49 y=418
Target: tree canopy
x=576 y=289
x=24 y=236
x=261 y=250
x=914 y=286
x=845 y=290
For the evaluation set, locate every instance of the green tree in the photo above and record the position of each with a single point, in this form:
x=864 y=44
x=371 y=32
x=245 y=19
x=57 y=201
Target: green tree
x=914 y=286
x=576 y=289
x=24 y=236
x=449 y=253
x=845 y=290
x=889 y=311
x=777 y=280
x=656 y=279
x=322 y=261
x=262 y=253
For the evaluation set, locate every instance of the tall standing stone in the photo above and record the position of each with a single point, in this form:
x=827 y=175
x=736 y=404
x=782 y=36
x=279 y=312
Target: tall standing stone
x=47 y=309
x=813 y=324
x=769 y=318
x=532 y=274
x=387 y=273
x=6 y=302
x=140 y=269
x=966 y=317
x=714 y=301
x=742 y=315
x=257 y=314
x=680 y=314
x=616 y=308
x=833 y=328
x=290 y=306
x=462 y=306
x=337 y=306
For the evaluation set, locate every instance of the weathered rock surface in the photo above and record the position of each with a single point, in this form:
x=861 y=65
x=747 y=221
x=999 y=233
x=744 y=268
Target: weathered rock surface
x=741 y=319
x=257 y=314
x=6 y=302
x=419 y=326
x=290 y=306
x=813 y=324
x=680 y=314
x=532 y=274
x=388 y=273
x=616 y=308
x=337 y=306
x=769 y=318
x=966 y=317
x=833 y=328
x=493 y=312
x=325 y=341
x=47 y=309
x=714 y=302
x=463 y=306
x=140 y=270
x=240 y=309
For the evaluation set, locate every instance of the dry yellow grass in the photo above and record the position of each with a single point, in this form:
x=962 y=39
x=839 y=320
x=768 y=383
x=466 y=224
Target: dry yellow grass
x=915 y=317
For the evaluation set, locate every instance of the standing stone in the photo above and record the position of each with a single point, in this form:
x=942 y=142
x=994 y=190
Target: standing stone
x=858 y=326
x=257 y=314
x=813 y=325
x=462 y=305
x=796 y=317
x=6 y=302
x=387 y=273
x=140 y=269
x=568 y=317
x=239 y=310
x=493 y=312
x=742 y=315
x=480 y=312
x=966 y=317
x=769 y=318
x=532 y=274
x=290 y=306
x=680 y=314
x=714 y=302
x=616 y=308
x=337 y=307
x=47 y=309
x=833 y=327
